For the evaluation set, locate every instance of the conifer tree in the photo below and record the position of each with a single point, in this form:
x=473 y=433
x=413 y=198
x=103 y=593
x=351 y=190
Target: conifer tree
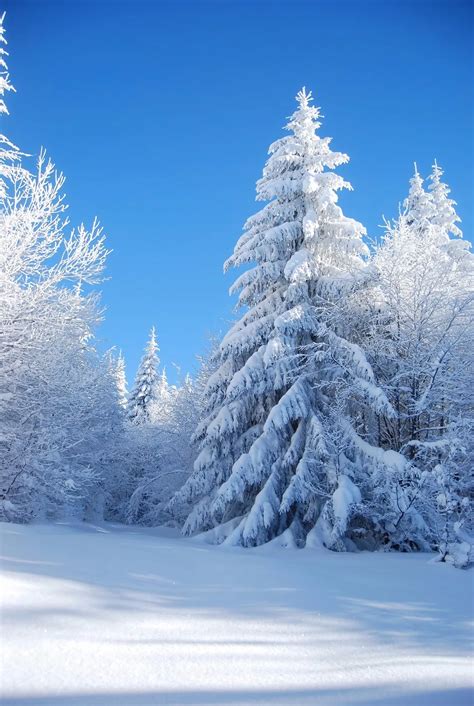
x=121 y=381
x=143 y=395
x=163 y=402
x=274 y=454
x=418 y=205
x=444 y=213
x=422 y=353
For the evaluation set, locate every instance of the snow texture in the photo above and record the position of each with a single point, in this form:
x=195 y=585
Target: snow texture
x=111 y=615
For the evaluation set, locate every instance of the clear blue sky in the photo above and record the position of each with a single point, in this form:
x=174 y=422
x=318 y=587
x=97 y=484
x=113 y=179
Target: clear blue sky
x=160 y=115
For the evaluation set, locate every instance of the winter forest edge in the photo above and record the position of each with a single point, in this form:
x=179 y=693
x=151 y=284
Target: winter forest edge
x=335 y=413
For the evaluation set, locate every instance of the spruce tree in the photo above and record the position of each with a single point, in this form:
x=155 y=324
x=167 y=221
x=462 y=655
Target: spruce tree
x=275 y=444
x=418 y=205
x=444 y=213
x=143 y=395
x=423 y=354
x=121 y=381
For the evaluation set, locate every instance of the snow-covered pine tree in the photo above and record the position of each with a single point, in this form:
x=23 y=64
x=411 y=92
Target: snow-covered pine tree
x=418 y=205
x=162 y=449
x=453 y=472
x=121 y=381
x=422 y=354
x=161 y=411
x=143 y=394
x=186 y=411
x=444 y=214
x=272 y=457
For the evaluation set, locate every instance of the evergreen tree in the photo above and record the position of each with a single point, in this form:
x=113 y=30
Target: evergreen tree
x=418 y=206
x=444 y=213
x=121 y=381
x=422 y=353
x=274 y=453
x=143 y=395
x=161 y=411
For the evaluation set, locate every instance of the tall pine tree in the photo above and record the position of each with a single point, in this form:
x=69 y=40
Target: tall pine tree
x=275 y=447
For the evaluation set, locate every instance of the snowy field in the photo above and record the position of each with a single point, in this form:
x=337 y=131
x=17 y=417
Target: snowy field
x=115 y=616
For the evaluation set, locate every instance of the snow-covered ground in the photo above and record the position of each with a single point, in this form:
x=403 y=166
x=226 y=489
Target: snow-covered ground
x=114 y=616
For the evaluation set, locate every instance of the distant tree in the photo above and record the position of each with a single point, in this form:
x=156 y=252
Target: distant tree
x=167 y=446
x=121 y=381
x=444 y=213
x=143 y=394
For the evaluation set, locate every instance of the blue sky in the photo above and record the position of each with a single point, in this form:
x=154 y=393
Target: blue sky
x=160 y=115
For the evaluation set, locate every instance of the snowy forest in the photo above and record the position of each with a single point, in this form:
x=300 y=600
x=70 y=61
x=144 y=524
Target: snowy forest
x=336 y=412
x=260 y=497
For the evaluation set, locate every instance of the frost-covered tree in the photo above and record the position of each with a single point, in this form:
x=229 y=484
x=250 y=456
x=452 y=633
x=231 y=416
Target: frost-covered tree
x=444 y=215
x=137 y=449
x=143 y=394
x=421 y=350
x=161 y=406
x=5 y=84
x=121 y=381
x=185 y=416
x=9 y=153
x=275 y=456
x=57 y=400
x=173 y=418
x=50 y=418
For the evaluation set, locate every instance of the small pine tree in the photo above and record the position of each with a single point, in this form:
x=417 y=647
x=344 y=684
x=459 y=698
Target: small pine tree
x=163 y=402
x=444 y=213
x=143 y=395
x=121 y=381
x=418 y=206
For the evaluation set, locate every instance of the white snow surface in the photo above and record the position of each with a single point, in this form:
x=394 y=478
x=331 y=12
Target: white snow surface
x=117 y=616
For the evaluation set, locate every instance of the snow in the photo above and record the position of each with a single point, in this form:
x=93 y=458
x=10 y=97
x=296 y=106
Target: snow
x=345 y=495
x=118 y=616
